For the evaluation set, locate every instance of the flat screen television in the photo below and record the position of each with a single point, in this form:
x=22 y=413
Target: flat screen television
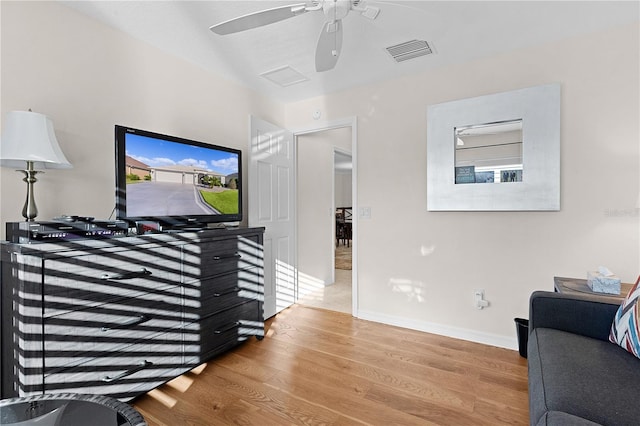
x=174 y=181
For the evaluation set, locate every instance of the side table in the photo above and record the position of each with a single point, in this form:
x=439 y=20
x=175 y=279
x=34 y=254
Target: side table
x=579 y=286
x=68 y=409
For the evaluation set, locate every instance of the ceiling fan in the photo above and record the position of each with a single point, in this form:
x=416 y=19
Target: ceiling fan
x=330 y=40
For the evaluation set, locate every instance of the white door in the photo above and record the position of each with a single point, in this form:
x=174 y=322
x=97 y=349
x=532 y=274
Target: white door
x=271 y=204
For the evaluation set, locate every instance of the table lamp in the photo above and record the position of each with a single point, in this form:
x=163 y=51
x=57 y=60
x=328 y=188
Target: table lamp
x=28 y=138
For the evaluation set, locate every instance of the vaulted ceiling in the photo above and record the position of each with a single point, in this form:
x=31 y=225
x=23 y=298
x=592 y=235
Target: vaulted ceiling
x=458 y=31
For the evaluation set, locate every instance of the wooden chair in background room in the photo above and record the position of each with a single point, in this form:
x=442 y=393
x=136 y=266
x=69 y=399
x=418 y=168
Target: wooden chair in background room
x=343 y=226
x=339 y=226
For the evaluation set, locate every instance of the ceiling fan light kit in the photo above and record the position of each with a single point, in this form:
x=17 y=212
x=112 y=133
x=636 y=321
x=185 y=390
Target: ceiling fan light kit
x=330 y=41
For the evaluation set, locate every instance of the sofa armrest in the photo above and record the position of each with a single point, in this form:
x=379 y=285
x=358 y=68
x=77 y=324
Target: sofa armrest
x=573 y=313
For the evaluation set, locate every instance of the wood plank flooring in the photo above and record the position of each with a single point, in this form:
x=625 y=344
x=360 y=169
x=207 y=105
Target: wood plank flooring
x=319 y=367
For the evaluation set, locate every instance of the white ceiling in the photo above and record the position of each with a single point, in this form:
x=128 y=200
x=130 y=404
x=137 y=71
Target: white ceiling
x=458 y=30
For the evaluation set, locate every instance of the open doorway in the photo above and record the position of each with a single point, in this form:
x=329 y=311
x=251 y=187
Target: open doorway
x=325 y=219
x=338 y=295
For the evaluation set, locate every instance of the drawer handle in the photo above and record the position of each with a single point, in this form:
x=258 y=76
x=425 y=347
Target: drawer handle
x=228 y=256
x=228 y=328
x=127 y=275
x=229 y=291
x=132 y=322
x=141 y=366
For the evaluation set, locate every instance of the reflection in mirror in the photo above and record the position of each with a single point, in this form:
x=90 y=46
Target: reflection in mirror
x=489 y=153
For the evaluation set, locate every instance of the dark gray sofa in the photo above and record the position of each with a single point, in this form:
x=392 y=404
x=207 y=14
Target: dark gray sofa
x=576 y=376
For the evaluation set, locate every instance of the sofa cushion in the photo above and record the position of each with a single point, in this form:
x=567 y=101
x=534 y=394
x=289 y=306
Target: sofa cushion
x=625 y=330
x=582 y=376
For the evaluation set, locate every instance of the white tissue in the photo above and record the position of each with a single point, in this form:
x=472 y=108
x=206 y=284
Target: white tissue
x=603 y=281
x=604 y=271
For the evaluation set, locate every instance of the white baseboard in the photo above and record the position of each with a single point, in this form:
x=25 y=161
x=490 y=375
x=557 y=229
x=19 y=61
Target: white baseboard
x=442 y=330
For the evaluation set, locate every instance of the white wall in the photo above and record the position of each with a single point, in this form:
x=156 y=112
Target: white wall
x=343 y=189
x=418 y=268
x=87 y=77
x=315 y=189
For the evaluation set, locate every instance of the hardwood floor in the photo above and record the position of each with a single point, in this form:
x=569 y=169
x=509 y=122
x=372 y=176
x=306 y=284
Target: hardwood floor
x=319 y=367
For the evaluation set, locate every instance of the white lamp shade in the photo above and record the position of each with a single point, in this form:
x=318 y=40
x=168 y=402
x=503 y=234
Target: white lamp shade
x=29 y=136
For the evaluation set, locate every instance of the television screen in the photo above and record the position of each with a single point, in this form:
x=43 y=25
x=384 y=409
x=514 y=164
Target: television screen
x=175 y=181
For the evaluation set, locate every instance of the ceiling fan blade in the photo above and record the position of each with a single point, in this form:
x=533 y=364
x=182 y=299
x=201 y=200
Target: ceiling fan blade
x=329 y=46
x=369 y=12
x=258 y=19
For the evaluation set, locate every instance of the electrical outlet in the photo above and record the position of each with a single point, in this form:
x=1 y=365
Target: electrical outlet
x=478 y=296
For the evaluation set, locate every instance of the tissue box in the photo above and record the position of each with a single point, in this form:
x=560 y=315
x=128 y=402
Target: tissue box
x=599 y=283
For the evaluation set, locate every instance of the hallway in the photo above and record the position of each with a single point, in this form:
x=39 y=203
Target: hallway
x=336 y=296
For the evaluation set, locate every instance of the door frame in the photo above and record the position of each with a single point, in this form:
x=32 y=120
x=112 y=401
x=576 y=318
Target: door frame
x=351 y=122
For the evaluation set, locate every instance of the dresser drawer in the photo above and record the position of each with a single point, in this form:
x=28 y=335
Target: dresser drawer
x=218 y=257
x=214 y=294
x=141 y=365
x=166 y=296
x=74 y=351
x=222 y=331
x=96 y=278
x=71 y=337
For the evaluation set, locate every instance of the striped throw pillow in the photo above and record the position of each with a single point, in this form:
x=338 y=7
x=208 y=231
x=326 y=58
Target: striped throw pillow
x=625 y=330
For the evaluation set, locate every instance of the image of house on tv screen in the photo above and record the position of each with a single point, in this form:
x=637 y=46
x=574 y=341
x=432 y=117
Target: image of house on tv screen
x=179 y=179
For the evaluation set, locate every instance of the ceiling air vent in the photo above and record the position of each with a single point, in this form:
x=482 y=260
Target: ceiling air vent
x=409 y=50
x=284 y=76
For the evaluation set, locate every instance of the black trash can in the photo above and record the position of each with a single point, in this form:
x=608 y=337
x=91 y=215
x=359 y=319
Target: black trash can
x=522 y=330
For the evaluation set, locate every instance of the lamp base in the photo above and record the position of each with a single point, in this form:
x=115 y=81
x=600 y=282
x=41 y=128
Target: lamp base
x=29 y=211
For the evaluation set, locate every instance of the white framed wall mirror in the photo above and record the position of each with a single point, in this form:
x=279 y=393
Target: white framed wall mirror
x=495 y=152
